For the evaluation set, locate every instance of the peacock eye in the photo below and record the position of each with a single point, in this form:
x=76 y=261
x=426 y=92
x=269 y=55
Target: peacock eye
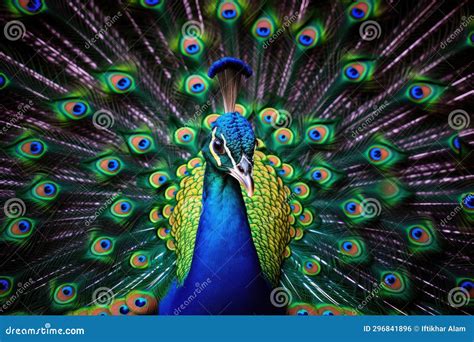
x=119 y=82
x=218 y=146
x=29 y=7
x=229 y=11
x=263 y=28
x=359 y=10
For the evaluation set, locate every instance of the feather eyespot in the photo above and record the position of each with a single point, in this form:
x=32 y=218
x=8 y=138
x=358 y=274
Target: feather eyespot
x=423 y=92
x=194 y=163
x=296 y=208
x=151 y=3
x=311 y=267
x=274 y=160
x=284 y=136
x=168 y=210
x=301 y=309
x=318 y=134
x=29 y=6
x=354 y=71
x=419 y=235
x=163 y=233
x=191 y=46
x=393 y=282
x=65 y=294
x=305 y=218
x=102 y=246
x=158 y=178
x=120 y=82
x=352 y=208
x=140 y=143
x=378 y=154
x=141 y=303
x=196 y=85
x=242 y=110
x=20 y=228
x=229 y=11
x=358 y=71
x=46 y=190
x=263 y=28
x=120 y=308
x=32 y=148
x=308 y=37
x=419 y=92
x=301 y=190
x=286 y=171
x=210 y=121
x=321 y=175
x=171 y=192
x=455 y=144
x=184 y=136
x=109 y=166
x=74 y=109
x=140 y=260
x=6 y=285
x=359 y=10
x=350 y=248
x=269 y=116
x=182 y=171
x=122 y=208
x=155 y=215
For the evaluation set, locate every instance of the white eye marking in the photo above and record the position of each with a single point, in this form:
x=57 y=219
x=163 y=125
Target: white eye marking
x=211 y=148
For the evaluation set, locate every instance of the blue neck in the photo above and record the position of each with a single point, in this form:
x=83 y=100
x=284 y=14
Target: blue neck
x=224 y=239
x=225 y=259
x=225 y=254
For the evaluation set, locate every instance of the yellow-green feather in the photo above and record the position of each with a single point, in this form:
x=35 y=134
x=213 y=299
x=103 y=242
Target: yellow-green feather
x=268 y=212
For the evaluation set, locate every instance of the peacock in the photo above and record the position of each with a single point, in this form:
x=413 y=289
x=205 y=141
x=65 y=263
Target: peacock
x=236 y=157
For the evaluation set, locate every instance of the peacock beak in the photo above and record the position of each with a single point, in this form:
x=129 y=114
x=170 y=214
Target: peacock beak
x=243 y=173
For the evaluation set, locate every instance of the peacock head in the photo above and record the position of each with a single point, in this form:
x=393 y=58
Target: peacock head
x=230 y=148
